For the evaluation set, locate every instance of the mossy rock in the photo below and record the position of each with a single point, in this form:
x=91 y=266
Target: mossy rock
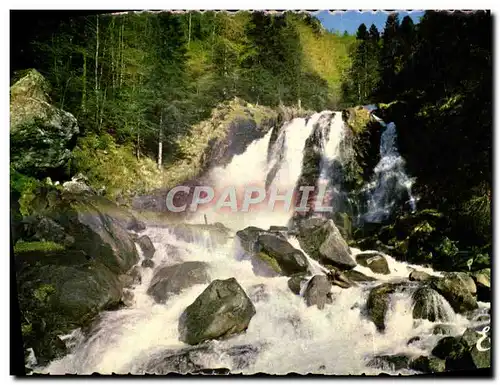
x=378 y=303
x=428 y=364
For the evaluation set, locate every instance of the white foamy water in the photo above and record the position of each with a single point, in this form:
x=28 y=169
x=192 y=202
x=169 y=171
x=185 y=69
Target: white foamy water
x=287 y=335
x=389 y=179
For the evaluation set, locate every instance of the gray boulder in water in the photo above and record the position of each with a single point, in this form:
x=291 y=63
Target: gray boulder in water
x=147 y=247
x=222 y=310
x=295 y=282
x=389 y=362
x=248 y=238
x=317 y=291
x=321 y=239
x=376 y=262
x=171 y=280
x=40 y=134
x=280 y=256
x=378 y=303
x=429 y=304
x=419 y=276
x=457 y=290
x=427 y=364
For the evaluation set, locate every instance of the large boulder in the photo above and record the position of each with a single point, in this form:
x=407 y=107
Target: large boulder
x=376 y=262
x=322 y=241
x=429 y=304
x=58 y=291
x=378 y=303
x=455 y=352
x=478 y=340
x=171 y=280
x=456 y=289
x=482 y=279
x=40 y=134
x=317 y=291
x=222 y=310
x=280 y=256
x=147 y=247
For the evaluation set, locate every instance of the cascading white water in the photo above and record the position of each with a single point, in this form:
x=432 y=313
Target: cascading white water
x=284 y=335
x=389 y=179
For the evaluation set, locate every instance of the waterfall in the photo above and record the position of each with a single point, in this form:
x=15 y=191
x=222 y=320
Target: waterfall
x=284 y=335
x=389 y=181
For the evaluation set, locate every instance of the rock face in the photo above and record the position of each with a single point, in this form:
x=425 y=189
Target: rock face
x=68 y=268
x=376 y=262
x=222 y=310
x=171 y=280
x=428 y=304
x=317 y=291
x=482 y=279
x=457 y=291
x=279 y=255
x=378 y=303
x=40 y=134
x=147 y=247
x=216 y=234
x=321 y=239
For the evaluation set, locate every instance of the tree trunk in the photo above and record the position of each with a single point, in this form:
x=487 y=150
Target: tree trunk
x=84 y=85
x=96 y=85
x=138 y=148
x=189 y=31
x=160 y=143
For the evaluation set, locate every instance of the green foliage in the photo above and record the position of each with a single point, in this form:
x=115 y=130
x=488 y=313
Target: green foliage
x=114 y=167
x=44 y=247
x=43 y=292
x=25 y=188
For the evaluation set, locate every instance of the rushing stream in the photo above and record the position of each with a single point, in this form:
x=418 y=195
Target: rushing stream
x=284 y=335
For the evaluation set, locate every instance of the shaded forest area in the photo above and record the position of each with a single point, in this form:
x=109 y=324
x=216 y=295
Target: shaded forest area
x=147 y=78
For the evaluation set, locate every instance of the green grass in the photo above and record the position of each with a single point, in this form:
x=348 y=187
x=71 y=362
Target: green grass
x=28 y=247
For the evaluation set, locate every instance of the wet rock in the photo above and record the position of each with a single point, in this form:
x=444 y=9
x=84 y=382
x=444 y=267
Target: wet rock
x=248 y=238
x=465 y=279
x=148 y=264
x=136 y=275
x=182 y=361
x=215 y=234
x=295 y=282
x=356 y=276
x=413 y=340
x=376 y=262
x=482 y=279
x=317 y=290
x=428 y=304
x=419 y=276
x=389 y=362
x=337 y=278
x=456 y=290
x=278 y=229
x=378 y=303
x=455 y=352
x=258 y=293
x=478 y=341
x=322 y=241
x=212 y=372
x=442 y=329
x=427 y=364
x=171 y=280
x=222 y=310
x=242 y=356
x=147 y=247
x=127 y=297
x=280 y=256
